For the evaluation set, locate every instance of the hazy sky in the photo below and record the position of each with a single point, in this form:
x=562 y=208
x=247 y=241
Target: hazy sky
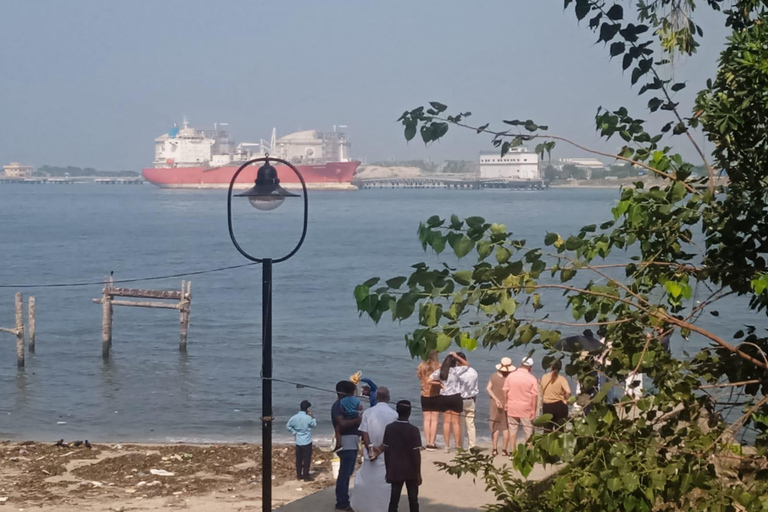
x=93 y=82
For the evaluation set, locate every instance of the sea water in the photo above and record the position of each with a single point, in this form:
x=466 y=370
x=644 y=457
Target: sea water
x=149 y=391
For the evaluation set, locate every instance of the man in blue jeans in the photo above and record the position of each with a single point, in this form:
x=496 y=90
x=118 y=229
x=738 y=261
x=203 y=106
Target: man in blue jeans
x=348 y=449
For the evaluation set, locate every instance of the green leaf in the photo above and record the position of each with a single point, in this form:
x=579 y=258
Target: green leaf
x=463 y=277
x=573 y=243
x=617 y=48
x=678 y=86
x=467 y=342
x=437 y=241
x=484 y=249
x=542 y=420
x=404 y=308
x=443 y=342
x=502 y=254
x=396 y=282
x=673 y=288
x=462 y=246
x=550 y=238
x=582 y=9
x=508 y=306
x=615 y=13
x=474 y=222
x=608 y=31
x=438 y=106
x=435 y=221
x=361 y=292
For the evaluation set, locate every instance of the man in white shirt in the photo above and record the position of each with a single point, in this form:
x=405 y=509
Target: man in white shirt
x=372 y=492
x=469 y=392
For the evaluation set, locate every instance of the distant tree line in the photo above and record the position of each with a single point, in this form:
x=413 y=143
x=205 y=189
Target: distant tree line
x=60 y=172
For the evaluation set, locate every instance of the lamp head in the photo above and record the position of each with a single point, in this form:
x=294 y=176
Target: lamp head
x=267 y=194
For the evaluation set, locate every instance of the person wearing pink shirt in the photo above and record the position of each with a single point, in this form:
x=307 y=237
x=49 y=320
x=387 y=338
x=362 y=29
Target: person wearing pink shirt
x=521 y=395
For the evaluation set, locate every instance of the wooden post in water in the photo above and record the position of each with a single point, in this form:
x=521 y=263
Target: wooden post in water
x=19 y=330
x=106 y=317
x=32 y=324
x=108 y=301
x=184 y=307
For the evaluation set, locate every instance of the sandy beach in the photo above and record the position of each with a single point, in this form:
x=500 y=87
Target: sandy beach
x=122 y=477
x=195 y=478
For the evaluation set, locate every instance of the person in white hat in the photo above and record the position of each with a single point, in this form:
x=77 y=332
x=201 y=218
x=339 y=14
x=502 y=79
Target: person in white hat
x=521 y=396
x=495 y=389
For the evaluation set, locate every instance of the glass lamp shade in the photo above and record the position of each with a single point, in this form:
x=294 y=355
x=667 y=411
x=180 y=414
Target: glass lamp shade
x=266 y=204
x=267 y=194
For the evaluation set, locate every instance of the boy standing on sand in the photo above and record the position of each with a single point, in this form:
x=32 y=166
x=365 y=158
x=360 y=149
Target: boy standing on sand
x=300 y=425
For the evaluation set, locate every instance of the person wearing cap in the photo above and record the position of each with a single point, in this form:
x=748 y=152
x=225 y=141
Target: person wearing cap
x=301 y=425
x=469 y=391
x=369 y=390
x=495 y=389
x=521 y=396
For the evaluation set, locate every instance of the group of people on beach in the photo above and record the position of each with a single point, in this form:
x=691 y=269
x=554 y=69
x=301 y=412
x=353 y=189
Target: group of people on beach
x=391 y=446
x=450 y=388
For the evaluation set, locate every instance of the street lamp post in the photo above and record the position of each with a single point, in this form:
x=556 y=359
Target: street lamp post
x=266 y=195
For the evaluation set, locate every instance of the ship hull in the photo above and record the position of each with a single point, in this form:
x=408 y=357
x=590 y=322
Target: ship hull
x=331 y=176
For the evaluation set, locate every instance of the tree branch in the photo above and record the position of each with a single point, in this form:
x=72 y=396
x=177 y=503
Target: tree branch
x=579 y=146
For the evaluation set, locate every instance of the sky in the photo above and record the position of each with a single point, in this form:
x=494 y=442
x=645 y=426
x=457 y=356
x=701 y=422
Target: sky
x=91 y=83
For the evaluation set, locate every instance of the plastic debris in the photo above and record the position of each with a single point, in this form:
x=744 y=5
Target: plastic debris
x=160 y=472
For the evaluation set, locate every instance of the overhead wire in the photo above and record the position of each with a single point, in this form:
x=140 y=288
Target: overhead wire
x=129 y=280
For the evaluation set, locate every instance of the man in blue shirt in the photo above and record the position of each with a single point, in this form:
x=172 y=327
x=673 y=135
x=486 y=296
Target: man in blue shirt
x=300 y=425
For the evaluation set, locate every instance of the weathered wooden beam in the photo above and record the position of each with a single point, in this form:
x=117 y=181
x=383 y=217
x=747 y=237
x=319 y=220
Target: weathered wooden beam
x=19 y=330
x=146 y=294
x=145 y=304
x=32 y=323
x=106 y=319
x=140 y=304
x=184 y=316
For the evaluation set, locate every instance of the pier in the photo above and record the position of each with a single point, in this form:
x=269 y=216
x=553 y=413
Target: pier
x=436 y=182
x=71 y=181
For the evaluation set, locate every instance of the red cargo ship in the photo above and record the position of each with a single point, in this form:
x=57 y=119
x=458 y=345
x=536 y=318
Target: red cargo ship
x=190 y=158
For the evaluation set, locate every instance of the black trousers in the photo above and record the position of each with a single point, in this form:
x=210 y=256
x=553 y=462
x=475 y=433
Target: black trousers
x=413 y=495
x=303 y=460
x=559 y=412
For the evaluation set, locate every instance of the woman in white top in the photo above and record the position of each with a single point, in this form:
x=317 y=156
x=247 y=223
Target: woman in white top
x=450 y=403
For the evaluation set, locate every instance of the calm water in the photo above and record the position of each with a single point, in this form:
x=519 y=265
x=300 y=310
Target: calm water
x=148 y=391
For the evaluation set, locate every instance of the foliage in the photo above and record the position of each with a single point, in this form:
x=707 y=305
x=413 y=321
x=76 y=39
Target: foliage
x=636 y=276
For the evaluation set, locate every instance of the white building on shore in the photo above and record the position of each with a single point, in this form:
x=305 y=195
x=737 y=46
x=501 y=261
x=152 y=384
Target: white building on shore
x=584 y=163
x=17 y=170
x=517 y=165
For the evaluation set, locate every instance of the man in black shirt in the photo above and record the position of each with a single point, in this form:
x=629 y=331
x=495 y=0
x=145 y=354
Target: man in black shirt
x=402 y=444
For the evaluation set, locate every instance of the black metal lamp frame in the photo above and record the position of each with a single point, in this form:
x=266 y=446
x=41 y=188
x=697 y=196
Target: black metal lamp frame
x=266 y=326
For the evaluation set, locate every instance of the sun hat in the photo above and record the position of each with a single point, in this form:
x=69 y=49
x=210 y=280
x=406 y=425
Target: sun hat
x=527 y=361
x=505 y=365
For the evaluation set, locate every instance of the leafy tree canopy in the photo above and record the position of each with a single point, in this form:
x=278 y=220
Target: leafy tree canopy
x=674 y=447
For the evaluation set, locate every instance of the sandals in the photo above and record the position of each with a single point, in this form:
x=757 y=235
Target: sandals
x=505 y=453
x=495 y=452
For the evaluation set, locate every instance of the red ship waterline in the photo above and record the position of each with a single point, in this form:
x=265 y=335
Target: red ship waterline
x=190 y=158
